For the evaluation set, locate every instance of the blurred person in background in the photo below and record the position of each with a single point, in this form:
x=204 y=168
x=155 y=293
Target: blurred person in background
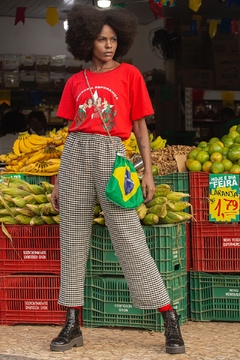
x=13 y=122
x=37 y=122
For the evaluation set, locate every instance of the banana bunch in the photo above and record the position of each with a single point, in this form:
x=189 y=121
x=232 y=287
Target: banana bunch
x=131 y=145
x=157 y=143
x=166 y=207
x=36 y=155
x=26 y=204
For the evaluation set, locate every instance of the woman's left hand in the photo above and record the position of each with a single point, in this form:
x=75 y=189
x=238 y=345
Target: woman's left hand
x=148 y=187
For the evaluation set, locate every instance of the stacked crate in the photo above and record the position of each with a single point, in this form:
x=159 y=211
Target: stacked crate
x=214 y=279
x=29 y=275
x=107 y=298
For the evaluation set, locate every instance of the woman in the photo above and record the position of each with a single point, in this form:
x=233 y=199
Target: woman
x=86 y=165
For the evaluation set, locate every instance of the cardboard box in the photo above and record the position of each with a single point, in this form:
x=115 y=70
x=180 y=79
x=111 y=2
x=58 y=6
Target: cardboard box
x=199 y=79
x=227 y=72
x=224 y=47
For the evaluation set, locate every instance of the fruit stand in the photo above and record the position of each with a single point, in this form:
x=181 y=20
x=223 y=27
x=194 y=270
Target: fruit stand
x=186 y=246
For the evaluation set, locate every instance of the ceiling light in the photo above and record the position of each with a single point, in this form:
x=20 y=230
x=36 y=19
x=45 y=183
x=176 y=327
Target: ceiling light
x=103 y=3
x=65 y=25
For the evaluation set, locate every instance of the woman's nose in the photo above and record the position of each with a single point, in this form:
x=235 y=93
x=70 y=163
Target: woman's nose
x=108 y=43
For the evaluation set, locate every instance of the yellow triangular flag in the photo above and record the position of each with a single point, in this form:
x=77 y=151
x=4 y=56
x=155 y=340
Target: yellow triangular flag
x=5 y=97
x=228 y=98
x=195 y=4
x=52 y=16
x=212 y=28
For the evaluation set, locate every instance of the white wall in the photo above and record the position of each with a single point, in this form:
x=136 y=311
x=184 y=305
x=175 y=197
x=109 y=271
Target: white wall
x=36 y=36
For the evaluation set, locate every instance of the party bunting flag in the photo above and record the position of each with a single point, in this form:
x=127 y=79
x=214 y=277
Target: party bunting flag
x=198 y=19
x=212 y=28
x=52 y=16
x=227 y=98
x=230 y=2
x=156 y=8
x=5 y=97
x=195 y=4
x=20 y=15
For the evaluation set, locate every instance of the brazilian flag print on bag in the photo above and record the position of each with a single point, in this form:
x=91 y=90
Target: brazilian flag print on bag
x=124 y=188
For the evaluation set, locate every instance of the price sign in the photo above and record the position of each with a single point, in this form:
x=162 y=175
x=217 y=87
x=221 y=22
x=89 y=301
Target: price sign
x=224 y=198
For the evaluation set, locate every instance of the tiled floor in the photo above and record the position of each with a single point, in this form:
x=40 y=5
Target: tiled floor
x=203 y=341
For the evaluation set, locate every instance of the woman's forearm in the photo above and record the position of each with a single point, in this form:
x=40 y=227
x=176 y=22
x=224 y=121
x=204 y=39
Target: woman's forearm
x=141 y=133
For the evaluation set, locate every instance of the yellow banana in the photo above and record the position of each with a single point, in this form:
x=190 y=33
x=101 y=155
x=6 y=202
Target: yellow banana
x=23 y=148
x=156 y=142
x=16 y=147
x=161 y=145
x=37 y=140
x=27 y=168
x=12 y=155
x=39 y=155
x=53 y=161
x=151 y=137
x=53 y=168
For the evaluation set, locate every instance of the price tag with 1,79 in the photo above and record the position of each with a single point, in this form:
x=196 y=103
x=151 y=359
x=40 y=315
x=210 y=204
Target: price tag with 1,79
x=224 y=197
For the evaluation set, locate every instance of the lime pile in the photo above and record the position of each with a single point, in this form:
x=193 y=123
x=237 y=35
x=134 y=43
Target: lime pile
x=217 y=156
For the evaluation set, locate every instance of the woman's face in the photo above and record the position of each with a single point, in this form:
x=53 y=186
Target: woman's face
x=105 y=45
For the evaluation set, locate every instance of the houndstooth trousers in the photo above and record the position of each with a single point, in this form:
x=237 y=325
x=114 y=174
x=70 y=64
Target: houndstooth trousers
x=86 y=166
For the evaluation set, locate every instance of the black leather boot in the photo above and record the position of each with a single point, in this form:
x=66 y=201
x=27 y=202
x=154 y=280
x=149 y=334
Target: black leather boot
x=70 y=335
x=174 y=341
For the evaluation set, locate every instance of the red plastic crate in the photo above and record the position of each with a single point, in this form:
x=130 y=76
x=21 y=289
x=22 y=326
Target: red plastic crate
x=199 y=195
x=216 y=247
x=32 y=249
x=29 y=299
x=188 y=246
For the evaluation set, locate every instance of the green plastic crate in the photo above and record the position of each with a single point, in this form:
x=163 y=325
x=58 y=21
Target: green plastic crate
x=178 y=181
x=108 y=303
x=36 y=179
x=214 y=297
x=167 y=245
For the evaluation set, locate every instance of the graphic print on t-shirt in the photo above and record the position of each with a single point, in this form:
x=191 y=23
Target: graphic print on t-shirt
x=89 y=110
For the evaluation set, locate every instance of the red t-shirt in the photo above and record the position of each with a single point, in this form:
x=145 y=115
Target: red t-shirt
x=120 y=94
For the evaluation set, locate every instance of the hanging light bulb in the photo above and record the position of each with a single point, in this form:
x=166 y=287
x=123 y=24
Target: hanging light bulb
x=103 y=3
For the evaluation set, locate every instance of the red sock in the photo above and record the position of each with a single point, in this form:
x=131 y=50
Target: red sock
x=75 y=307
x=165 y=308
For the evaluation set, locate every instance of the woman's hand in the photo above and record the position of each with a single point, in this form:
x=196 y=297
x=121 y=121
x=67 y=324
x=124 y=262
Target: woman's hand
x=141 y=133
x=148 y=187
x=55 y=196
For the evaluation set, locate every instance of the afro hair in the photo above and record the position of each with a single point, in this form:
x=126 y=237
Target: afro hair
x=86 y=22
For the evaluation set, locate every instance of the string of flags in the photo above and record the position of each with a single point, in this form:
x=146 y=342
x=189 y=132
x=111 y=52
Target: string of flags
x=155 y=5
x=51 y=15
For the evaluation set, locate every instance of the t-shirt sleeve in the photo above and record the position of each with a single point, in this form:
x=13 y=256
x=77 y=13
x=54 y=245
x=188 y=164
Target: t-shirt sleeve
x=140 y=99
x=66 y=108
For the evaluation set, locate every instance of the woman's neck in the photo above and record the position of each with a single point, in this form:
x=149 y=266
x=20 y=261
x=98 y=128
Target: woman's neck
x=95 y=67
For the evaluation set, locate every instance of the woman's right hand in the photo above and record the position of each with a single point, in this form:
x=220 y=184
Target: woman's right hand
x=55 y=197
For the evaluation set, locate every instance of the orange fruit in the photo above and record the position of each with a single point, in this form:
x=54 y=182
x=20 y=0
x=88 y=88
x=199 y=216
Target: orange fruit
x=202 y=144
x=233 y=134
x=193 y=153
x=216 y=156
x=206 y=167
x=195 y=165
x=237 y=139
x=234 y=153
x=215 y=147
x=233 y=128
x=154 y=170
x=225 y=150
x=224 y=137
x=221 y=143
x=235 y=169
x=202 y=156
x=213 y=140
x=217 y=168
x=188 y=161
x=227 y=164
x=238 y=128
x=227 y=142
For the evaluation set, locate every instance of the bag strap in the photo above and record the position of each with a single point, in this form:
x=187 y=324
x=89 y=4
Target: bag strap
x=99 y=113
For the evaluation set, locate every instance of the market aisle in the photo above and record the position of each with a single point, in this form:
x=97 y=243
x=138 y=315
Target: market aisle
x=203 y=341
